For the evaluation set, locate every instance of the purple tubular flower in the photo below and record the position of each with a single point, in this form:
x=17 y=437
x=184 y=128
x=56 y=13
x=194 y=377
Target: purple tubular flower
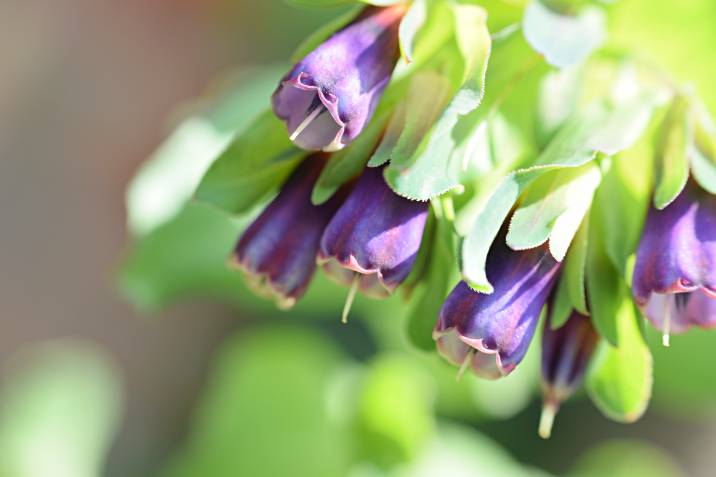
x=492 y=332
x=330 y=95
x=375 y=234
x=278 y=250
x=566 y=353
x=674 y=281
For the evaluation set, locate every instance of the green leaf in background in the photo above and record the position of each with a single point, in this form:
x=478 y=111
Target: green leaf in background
x=410 y=26
x=421 y=159
x=461 y=452
x=395 y=410
x=183 y=257
x=552 y=208
x=626 y=458
x=703 y=169
x=441 y=275
x=620 y=378
x=558 y=99
x=268 y=411
x=571 y=289
x=563 y=39
x=604 y=284
x=703 y=152
x=672 y=169
x=577 y=143
x=168 y=179
x=623 y=199
x=254 y=164
x=59 y=411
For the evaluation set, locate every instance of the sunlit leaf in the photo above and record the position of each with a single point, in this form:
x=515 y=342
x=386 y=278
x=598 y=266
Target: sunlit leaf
x=410 y=26
x=620 y=378
x=563 y=39
x=552 y=208
x=576 y=144
x=672 y=153
x=252 y=166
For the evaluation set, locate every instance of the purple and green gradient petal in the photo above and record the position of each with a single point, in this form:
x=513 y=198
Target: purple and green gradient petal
x=494 y=331
x=375 y=234
x=566 y=353
x=674 y=280
x=330 y=95
x=278 y=250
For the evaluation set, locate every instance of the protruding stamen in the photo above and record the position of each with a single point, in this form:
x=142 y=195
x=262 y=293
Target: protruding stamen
x=312 y=115
x=667 y=326
x=349 y=299
x=546 y=420
x=465 y=364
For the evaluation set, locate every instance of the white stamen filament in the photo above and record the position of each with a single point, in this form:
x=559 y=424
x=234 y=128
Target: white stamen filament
x=349 y=299
x=465 y=364
x=307 y=121
x=667 y=326
x=546 y=420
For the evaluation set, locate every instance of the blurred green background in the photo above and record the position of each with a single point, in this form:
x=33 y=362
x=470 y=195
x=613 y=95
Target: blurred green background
x=201 y=378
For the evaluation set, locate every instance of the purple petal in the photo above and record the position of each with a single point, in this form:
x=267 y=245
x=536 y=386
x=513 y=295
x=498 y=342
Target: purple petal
x=677 y=255
x=278 y=250
x=375 y=233
x=329 y=96
x=565 y=355
x=683 y=311
x=503 y=323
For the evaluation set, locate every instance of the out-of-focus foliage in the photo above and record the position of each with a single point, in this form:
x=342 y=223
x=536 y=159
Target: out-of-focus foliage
x=59 y=410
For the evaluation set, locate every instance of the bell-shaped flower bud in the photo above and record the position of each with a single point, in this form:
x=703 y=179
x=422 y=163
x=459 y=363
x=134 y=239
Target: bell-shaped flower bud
x=674 y=280
x=331 y=94
x=372 y=241
x=277 y=251
x=491 y=333
x=566 y=353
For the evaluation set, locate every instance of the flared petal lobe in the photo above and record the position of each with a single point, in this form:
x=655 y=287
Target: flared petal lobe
x=330 y=95
x=494 y=331
x=278 y=250
x=375 y=233
x=674 y=280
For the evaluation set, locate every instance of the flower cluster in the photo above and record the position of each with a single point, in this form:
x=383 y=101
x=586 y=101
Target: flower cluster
x=555 y=240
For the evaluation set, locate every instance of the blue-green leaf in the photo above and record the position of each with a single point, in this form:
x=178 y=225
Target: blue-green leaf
x=672 y=154
x=576 y=144
x=563 y=39
x=552 y=209
x=620 y=378
x=254 y=164
x=410 y=26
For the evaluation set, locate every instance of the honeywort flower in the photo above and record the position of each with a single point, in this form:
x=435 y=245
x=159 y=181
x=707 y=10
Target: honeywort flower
x=491 y=333
x=329 y=96
x=565 y=355
x=278 y=250
x=674 y=280
x=373 y=239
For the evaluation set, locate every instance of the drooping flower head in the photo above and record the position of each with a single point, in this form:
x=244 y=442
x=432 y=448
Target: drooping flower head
x=566 y=352
x=674 y=280
x=278 y=250
x=374 y=237
x=491 y=333
x=329 y=96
